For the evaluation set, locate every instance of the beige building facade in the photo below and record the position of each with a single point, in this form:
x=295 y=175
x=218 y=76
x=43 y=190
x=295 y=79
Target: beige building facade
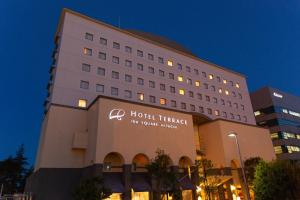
x=117 y=96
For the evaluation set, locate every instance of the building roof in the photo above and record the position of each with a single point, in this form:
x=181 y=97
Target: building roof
x=148 y=37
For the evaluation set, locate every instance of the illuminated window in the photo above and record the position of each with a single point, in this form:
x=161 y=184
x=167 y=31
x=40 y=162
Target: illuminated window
x=217 y=112
x=226 y=92
x=278 y=149
x=170 y=63
x=87 y=51
x=210 y=76
x=82 y=103
x=180 y=78
x=237 y=85
x=89 y=36
x=292 y=149
x=197 y=83
x=103 y=41
x=224 y=81
x=220 y=90
x=285 y=110
x=181 y=91
x=256 y=113
x=162 y=101
x=116 y=45
x=140 y=96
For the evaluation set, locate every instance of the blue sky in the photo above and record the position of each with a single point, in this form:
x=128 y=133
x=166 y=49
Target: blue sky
x=260 y=39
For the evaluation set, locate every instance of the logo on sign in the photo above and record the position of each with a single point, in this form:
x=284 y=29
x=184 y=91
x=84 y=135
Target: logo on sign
x=116 y=114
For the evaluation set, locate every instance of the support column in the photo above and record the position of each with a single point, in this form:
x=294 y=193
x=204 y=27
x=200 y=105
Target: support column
x=127 y=182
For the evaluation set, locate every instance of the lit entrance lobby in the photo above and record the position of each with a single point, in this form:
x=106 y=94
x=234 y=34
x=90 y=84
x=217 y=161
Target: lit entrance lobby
x=117 y=139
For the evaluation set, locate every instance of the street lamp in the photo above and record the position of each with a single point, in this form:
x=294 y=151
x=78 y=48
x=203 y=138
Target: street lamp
x=234 y=135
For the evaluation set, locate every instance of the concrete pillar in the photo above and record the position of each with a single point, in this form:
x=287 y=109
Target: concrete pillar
x=127 y=182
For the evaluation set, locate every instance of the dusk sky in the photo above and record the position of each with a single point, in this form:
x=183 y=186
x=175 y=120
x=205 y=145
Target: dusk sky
x=260 y=39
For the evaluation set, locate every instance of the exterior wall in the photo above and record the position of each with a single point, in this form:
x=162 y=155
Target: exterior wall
x=68 y=73
x=57 y=138
x=221 y=149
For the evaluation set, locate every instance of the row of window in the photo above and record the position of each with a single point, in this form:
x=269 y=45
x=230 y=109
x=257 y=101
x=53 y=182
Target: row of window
x=140 y=53
x=115 y=75
x=162 y=101
x=272 y=109
x=140 y=81
x=286 y=149
x=284 y=135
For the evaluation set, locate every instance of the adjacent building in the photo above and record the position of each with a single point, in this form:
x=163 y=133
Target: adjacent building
x=116 y=96
x=280 y=112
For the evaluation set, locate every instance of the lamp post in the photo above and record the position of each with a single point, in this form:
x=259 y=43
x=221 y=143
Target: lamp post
x=234 y=135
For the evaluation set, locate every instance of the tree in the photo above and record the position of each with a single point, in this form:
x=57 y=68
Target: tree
x=277 y=180
x=14 y=171
x=92 y=189
x=165 y=179
x=250 y=165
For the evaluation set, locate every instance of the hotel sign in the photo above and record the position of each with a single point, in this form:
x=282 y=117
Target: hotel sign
x=147 y=119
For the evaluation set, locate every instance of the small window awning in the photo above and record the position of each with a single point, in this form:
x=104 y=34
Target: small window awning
x=187 y=184
x=114 y=182
x=140 y=183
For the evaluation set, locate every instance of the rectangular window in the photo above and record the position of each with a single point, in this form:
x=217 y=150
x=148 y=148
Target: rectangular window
x=224 y=114
x=160 y=60
x=193 y=108
x=86 y=67
x=87 y=51
x=173 y=103
x=199 y=96
x=207 y=98
x=128 y=78
x=140 y=53
x=140 y=67
x=172 y=89
x=179 y=66
x=196 y=71
x=170 y=63
x=213 y=88
x=188 y=68
x=128 y=63
x=222 y=102
x=233 y=94
x=209 y=111
x=89 y=36
x=224 y=81
x=243 y=107
x=239 y=117
x=140 y=81
x=205 y=85
x=220 y=90
x=218 y=78
x=226 y=92
x=215 y=100
x=180 y=78
x=183 y=105
x=197 y=83
x=150 y=56
x=201 y=109
x=162 y=87
x=237 y=85
x=231 y=83
x=114 y=91
x=115 y=75
x=231 y=115
x=100 y=88
x=115 y=59
x=189 y=81
x=101 y=71
x=128 y=94
x=181 y=91
x=171 y=76
x=162 y=101
x=102 y=55
x=210 y=76
x=151 y=70
x=84 y=85
x=152 y=99
x=82 y=103
x=151 y=84
x=191 y=94
x=116 y=45
x=204 y=74
x=140 y=96
x=103 y=41
x=217 y=112
x=161 y=73
x=229 y=103
x=128 y=49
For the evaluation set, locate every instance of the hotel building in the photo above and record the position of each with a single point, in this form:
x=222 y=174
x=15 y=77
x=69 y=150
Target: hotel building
x=115 y=96
x=280 y=112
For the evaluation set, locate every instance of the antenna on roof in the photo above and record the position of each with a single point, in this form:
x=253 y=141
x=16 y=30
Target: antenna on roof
x=119 y=22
